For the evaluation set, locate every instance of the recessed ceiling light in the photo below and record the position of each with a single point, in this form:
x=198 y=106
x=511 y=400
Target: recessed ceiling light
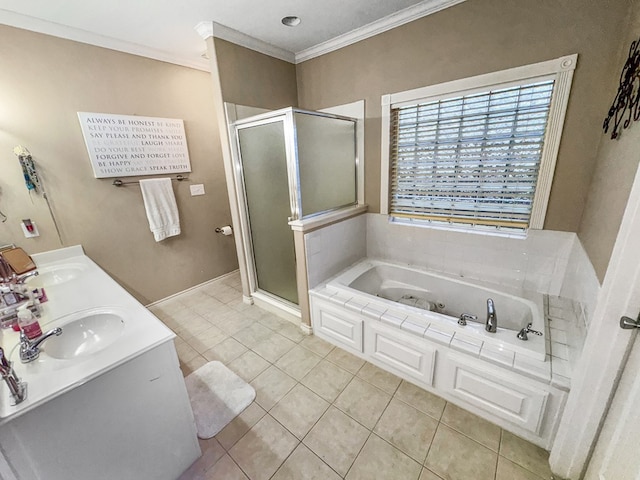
x=291 y=21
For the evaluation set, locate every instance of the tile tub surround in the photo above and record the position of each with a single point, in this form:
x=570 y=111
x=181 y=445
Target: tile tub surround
x=404 y=438
x=332 y=249
x=537 y=262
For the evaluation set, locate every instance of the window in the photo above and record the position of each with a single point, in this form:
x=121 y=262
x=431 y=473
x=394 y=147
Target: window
x=476 y=152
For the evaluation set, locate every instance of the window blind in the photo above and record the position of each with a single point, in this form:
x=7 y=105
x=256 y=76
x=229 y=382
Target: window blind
x=470 y=159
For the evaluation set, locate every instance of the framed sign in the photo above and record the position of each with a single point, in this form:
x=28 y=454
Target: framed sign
x=128 y=145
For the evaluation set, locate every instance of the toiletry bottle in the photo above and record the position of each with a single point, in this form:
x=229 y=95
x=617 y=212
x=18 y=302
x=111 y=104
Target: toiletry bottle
x=28 y=323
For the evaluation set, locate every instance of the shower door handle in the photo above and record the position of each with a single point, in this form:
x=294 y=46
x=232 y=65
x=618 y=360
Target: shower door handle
x=629 y=323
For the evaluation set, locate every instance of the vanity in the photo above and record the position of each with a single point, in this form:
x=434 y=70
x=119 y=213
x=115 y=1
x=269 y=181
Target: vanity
x=105 y=399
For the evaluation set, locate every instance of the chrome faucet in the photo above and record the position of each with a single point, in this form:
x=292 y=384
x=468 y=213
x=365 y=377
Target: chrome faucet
x=22 y=278
x=30 y=350
x=491 y=324
x=17 y=388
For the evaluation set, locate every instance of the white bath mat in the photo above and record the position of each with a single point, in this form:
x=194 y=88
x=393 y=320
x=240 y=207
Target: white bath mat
x=217 y=396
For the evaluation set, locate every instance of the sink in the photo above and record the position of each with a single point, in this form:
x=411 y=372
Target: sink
x=55 y=275
x=85 y=336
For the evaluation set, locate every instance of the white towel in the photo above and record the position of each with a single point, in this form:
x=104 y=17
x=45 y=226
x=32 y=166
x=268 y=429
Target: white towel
x=160 y=204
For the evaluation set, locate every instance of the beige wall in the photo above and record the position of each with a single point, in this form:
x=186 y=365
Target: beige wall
x=475 y=37
x=44 y=81
x=616 y=165
x=254 y=79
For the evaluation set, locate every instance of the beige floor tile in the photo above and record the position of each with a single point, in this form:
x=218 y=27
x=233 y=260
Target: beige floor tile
x=363 y=402
x=248 y=365
x=419 y=398
x=212 y=451
x=291 y=331
x=273 y=347
x=380 y=461
x=225 y=351
x=225 y=469
x=252 y=335
x=234 y=322
x=299 y=410
x=205 y=305
x=345 y=360
x=271 y=385
x=376 y=376
x=206 y=339
x=239 y=305
x=456 y=457
x=472 y=426
x=303 y=464
x=429 y=475
x=525 y=454
x=168 y=307
x=193 y=326
x=407 y=429
x=272 y=321
x=222 y=292
x=218 y=315
x=240 y=425
x=298 y=361
x=336 y=439
x=185 y=351
x=507 y=470
x=263 y=449
x=316 y=345
x=192 y=365
x=327 y=380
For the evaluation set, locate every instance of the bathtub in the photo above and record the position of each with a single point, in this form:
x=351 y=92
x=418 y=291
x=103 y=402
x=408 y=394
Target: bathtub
x=435 y=301
x=404 y=320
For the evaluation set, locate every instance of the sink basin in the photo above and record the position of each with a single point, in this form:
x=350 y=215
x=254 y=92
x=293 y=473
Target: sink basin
x=85 y=336
x=55 y=275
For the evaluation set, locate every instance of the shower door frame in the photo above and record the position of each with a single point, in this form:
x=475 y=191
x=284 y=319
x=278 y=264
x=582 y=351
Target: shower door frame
x=287 y=116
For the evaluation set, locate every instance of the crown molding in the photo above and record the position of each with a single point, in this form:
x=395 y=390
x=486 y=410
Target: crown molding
x=394 y=20
x=83 y=36
x=217 y=30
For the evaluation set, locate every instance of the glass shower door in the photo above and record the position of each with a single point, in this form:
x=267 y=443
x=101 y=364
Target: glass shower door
x=264 y=167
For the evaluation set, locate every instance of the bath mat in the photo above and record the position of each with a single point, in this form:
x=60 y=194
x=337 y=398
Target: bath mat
x=217 y=396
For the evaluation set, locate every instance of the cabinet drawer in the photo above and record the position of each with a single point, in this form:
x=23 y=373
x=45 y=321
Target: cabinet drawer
x=336 y=325
x=496 y=392
x=400 y=352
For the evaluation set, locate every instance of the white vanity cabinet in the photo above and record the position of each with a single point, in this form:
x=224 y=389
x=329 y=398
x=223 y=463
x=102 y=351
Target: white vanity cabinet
x=133 y=422
x=98 y=406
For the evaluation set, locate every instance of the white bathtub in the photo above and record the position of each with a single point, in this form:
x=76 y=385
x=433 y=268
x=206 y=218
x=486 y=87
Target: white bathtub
x=436 y=301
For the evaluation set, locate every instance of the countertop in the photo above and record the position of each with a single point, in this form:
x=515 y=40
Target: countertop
x=90 y=289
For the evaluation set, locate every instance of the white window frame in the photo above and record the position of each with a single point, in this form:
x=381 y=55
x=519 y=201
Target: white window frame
x=559 y=69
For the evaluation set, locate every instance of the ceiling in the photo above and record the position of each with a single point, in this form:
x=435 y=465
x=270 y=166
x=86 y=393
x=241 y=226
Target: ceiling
x=164 y=29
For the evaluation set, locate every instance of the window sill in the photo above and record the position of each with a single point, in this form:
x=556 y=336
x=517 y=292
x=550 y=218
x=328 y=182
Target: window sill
x=472 y=229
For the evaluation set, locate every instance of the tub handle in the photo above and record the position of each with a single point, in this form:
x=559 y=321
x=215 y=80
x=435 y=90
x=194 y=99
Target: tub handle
x=466 y=317
x=522 y=334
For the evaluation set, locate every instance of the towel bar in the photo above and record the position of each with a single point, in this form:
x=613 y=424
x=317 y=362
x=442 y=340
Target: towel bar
x=119 y=183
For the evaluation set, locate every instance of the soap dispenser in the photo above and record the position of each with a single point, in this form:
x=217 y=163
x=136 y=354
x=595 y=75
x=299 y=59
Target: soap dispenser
x=28 y=322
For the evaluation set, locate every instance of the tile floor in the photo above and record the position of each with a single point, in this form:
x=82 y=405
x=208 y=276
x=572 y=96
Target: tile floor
x=322 y=413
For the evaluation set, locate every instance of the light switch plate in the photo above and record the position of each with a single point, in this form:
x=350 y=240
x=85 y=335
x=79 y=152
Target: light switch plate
x=197 y=189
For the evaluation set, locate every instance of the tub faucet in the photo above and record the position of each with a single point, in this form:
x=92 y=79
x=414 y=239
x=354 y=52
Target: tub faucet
x=491 y=325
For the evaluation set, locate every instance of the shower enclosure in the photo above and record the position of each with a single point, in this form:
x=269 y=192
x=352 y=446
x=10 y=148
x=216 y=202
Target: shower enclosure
x=289 y=164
